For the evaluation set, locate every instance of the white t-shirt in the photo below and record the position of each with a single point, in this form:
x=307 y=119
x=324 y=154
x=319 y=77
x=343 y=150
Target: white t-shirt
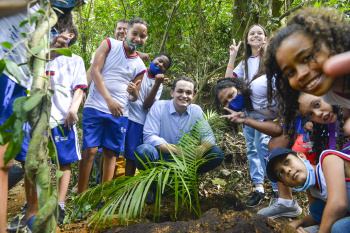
x=67 y=75
x=259 y=101
x=118 y=71
x=136 y=111
x=253 y=66
x=11 y=32
x=335 y=98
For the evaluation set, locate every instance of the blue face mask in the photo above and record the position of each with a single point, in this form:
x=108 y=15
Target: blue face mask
x=237 y=104
x=133 y=46
x=310 y=179
x=154 y=69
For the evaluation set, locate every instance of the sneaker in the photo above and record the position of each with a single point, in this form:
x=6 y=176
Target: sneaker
x=277 y=210
x=20 y=221
x=255 y=199
x=273 y=197
x=61 y=215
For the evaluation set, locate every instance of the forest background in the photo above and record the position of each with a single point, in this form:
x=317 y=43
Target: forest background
x=195 y=33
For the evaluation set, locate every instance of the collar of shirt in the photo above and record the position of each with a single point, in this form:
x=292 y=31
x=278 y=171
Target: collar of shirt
x=172 y=109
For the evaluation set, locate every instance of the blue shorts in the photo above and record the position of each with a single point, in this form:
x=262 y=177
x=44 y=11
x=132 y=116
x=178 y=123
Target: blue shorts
x=9 y=91
x=133 y=139
x=67 y=144
x=102 y=129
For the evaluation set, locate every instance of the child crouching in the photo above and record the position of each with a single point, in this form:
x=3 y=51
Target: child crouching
x=328 y=182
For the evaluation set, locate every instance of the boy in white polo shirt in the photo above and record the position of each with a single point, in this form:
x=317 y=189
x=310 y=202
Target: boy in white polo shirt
x=117 y=73
x=151 y=90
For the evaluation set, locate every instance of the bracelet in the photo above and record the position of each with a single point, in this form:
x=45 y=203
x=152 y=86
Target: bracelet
x=230 y=67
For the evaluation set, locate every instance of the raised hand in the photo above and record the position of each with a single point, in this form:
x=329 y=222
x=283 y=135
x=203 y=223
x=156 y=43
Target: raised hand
x=235 y=117
x=160 y=78
x=234 y=48
x=132 y=88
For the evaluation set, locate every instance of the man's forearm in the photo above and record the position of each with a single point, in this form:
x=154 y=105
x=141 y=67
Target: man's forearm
x=167 y=147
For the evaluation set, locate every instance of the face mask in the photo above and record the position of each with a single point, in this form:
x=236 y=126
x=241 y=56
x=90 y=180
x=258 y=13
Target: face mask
x=133 y=46
x=311 y=177
x=154 y=69
x=237 y=104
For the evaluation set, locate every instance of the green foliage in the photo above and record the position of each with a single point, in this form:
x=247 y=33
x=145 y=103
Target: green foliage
x=127 y=195
x=65 y=52
x=13 y=69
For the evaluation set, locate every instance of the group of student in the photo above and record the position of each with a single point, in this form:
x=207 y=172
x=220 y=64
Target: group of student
x=291 y=93
x=121 y=93
x=280 y=80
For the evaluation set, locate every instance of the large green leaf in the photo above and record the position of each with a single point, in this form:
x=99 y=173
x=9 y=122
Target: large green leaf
x=13 y=69
x=18 y=108
x=6 y=45
x=65 y=52
x=33 y=101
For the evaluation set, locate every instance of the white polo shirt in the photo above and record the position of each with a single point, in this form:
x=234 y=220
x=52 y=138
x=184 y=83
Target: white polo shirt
x=253 y=66
x=67 y=75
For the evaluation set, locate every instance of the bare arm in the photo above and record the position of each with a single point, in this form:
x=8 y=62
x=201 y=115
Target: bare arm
x=114 y=107
x=88 y=76
x=303 y=222
x=337 y=202
x=134 y=88
x=72 y=116
x=9 y=7
x=153 y=93
x=165 y=147
x=233 y=54
x=144 y=56
x=269 y=127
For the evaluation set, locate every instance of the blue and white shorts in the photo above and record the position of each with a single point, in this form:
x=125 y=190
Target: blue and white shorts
x=102 y=129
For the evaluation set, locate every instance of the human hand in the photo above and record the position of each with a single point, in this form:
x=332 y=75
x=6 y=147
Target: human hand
x=308 y=126
x=71 y=119
x=60 y=41
x=160 y=78
x=302 y=230
x=235 y=117
x=115 y=108
x=234 y=48
x=145 y=56
x=132 y=88
x=337 y=65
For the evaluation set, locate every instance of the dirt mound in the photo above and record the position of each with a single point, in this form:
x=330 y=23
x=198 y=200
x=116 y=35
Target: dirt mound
x=211 y=221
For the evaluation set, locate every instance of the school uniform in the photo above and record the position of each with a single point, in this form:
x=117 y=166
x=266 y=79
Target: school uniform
x=137 y=116
x=100 y=128
x=253 y=66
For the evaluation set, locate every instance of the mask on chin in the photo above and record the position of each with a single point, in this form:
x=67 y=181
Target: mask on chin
x=310 y=179
x=154 y=69
x=237 y=104
x=133 y=46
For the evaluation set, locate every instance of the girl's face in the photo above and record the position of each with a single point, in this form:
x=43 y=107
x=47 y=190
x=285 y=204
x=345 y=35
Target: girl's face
x=256 y=37
x=291 y=170
x=302 y=66
x=316 y=109
x=227 y=94
x=137 y=34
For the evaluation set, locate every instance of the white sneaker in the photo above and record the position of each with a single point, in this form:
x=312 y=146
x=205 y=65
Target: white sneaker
x=277 y=210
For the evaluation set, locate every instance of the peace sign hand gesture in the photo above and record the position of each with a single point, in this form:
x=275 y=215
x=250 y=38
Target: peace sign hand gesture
x=235 y=117
x=234 y=48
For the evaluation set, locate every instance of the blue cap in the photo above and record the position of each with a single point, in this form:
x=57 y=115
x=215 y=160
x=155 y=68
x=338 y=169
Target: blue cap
x=271 y=157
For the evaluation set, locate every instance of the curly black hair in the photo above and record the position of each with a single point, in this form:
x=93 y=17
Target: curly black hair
x=239 y=84
x=324 y=26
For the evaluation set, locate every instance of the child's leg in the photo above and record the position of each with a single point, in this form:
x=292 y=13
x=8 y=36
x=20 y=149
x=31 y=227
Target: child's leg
x=3 y=190
x=85 y=164
x=31 y=196
x=63 y=182
x=130 y=167
x=133 y=139
x=109 y=158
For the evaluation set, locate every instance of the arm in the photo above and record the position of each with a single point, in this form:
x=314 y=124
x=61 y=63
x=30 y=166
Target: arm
x=9 y=7
x=269 y=127
x=303 y=222
x=337 y=202
x=134 y=88
x=59 y=42
x=114 y=107
x=88 y=76
x=165 y=147
x=144 y=56
x=233 y=54
x=72 y=116
x=153 y=93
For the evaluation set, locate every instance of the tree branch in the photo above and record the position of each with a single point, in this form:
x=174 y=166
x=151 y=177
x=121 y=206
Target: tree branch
x=291 y=11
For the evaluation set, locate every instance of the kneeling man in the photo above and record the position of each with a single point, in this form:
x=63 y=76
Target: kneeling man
x=166 y=121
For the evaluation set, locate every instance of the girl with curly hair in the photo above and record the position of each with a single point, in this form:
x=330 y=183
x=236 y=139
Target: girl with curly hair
x=296 y=55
